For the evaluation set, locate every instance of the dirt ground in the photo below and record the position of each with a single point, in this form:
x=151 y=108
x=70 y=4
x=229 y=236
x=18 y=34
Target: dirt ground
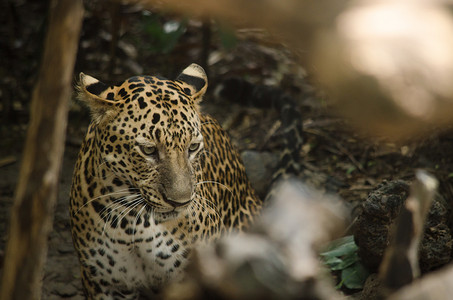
x=61 y=278
x=335 y=158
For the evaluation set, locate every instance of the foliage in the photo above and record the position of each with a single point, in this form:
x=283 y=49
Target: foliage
x=227 y=35
x=163 y=35
x=341 y=256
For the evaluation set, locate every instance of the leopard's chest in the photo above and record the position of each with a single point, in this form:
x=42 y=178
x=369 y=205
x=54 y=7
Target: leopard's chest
x=142 y=256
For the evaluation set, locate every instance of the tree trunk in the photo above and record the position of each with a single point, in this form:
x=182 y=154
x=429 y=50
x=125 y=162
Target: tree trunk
x=36 y=192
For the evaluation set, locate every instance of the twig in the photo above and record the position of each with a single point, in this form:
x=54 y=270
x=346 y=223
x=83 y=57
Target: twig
x=400 y=263
x=339 y=147
x=7 y=161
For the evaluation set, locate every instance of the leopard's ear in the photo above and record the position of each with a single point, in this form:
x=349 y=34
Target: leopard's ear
x=194 y=81
x=98 y=96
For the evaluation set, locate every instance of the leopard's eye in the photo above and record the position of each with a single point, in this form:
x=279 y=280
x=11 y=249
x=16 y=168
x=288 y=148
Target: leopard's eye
x=194 y=147
x=148 y=150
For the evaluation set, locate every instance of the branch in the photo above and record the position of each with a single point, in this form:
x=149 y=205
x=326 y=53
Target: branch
x=400 y=263
x=389 y=77
x=36 y=191
x=277 y=259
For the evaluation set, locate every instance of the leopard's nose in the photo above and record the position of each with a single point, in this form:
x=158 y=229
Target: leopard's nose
x=179 y=191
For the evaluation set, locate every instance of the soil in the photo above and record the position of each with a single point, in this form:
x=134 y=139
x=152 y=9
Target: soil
x=335 y=158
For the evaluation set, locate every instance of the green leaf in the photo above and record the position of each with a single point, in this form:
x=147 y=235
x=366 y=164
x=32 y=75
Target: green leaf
x=370 y=163
x=350 y=170
x=346 y=261
x=337 y=264
x=354 y=277
x=341 y=255
x=227 y=36
x=333 y=262
x=341 y=247
x=162 y=37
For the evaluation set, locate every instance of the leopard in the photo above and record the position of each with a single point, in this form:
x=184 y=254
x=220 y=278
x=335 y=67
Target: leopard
x=155 y=178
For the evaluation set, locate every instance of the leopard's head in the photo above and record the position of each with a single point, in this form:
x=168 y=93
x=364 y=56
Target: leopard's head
x=148 y=138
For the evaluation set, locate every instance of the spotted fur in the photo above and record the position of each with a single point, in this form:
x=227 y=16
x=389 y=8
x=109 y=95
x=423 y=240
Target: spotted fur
x=154 y=178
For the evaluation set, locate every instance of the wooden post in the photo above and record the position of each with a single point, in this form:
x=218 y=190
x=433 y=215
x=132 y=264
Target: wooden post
x=36 y=191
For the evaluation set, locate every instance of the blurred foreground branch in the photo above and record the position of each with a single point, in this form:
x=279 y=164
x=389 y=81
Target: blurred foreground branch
x=434 y=286
x=400 y=263
x=35 y=198
x=277 y=259
x=386 y=64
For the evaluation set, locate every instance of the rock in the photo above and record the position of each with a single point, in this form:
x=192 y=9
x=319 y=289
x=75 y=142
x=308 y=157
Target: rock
x=370 y=289
x=65 y=290
x=259 y=167
x=371 y=231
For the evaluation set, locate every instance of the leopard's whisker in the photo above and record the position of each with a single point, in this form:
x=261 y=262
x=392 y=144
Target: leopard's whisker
x=124 y=212
x=203 y=205
x=113 y=194
x=109 y=216
x=105 y=213
x=136 y=220
x=130 y=207
x=215 y=182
